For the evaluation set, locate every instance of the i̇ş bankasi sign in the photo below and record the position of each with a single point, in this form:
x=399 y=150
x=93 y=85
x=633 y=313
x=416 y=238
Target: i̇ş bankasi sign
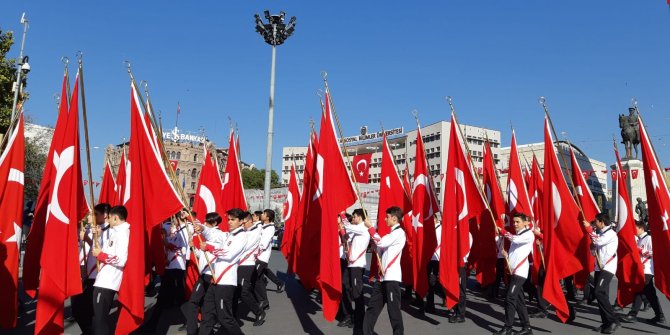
x=175 y=136
x=364 y=136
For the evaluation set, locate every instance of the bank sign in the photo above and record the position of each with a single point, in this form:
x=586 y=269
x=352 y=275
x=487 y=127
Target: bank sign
x=364 y=136
x=176 y=136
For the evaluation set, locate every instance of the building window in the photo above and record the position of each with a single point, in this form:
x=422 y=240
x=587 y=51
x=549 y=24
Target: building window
x=193 y=173
x=179 y=155
x=193 y=185
x=172 y=155
x=195 y=157
x=177 y=172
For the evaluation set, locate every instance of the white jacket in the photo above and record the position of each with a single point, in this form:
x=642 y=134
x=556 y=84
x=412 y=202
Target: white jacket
x=265 y=244
x=389 y=248
x=113 y=257
x=521 y=245
x=606 y=242
x=228 y=253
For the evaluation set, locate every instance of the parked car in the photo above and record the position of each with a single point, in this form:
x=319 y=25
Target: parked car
x=276 y=239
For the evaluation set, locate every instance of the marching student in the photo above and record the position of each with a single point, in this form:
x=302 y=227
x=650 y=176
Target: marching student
x=176 y=243
x=112 y=256
x=521 y=245
x=646 y=253
x=433 y=272
x=605 y=241
x=264 y=251
x=227 y=247
x=246 y=271
x=208 y=234
x=459 y=310
x=359 y=238
x=387 y=290
x=344 y=263
x=82 y=304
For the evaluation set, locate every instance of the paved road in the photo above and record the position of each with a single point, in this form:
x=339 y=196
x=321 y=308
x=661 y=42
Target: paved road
x=297 y=312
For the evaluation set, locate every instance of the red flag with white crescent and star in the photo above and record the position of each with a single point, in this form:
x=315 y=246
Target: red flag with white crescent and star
x=233 y=188
x=658 y=203
x=208 y=193
x=290 y=214
x=589 y=211
x=12 y=164
x=361 y=167
x=517 y=193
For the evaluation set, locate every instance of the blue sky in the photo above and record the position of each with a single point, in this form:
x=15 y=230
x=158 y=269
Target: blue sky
x=384 y=58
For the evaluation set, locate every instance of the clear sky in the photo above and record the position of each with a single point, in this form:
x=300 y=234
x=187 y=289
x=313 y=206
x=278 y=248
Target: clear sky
x=384 y=58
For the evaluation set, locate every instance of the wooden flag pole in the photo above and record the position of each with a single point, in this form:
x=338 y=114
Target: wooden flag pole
x=329 y=100
x=96 y=237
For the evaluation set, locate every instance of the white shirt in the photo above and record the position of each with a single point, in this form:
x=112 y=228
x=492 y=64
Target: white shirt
x=113 y=257
x=228 y=253
x=520 y=247
x=251 y=248
x=91 y=264
x=359 y=238
x=646 y=254
x=177 y=245
x=209 y=235
x=265 y=244
x=389 y=248
x=606 y=243
x=438 y=234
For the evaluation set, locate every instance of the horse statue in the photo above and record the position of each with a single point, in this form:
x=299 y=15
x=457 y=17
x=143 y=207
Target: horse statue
x=630 y=132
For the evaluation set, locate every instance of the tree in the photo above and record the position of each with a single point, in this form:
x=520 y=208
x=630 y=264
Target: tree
x=35 y=160
x=7 y=78
x=255 y=178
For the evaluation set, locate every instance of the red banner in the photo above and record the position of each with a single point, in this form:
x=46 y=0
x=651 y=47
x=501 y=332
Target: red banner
x=174 y=164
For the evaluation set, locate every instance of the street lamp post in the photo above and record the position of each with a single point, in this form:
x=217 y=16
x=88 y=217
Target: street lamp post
x=275 y=32
x=21 y=67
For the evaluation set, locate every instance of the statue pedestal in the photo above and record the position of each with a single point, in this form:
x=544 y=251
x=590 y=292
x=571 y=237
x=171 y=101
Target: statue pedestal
x=634 y=176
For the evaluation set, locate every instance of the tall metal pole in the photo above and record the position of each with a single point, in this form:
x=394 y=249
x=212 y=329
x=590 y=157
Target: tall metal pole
x=19 y=66
x=268 y=152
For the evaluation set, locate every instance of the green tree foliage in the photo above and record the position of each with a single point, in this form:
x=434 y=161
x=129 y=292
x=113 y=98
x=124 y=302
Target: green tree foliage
x=35 y=160
x=7 y=78
x=255 y=178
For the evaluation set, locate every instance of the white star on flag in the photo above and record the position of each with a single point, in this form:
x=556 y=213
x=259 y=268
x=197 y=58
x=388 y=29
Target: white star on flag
x=16 y=237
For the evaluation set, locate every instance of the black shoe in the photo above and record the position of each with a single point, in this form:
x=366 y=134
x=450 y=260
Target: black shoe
x=346 y=322
x=182 y=328
x=457 y=319
x=264 y=305
x=630 y=318
x=280 y=287
x=598 y=329
x=260 y=319
x=504 y=331
x=657 y=319
x=539 y=315
x=524 y=331
x=611 y=328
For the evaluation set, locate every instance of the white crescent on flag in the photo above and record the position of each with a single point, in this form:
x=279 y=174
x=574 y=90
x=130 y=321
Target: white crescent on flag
x=126 y=190
x=556 y=198
x=365 y=165
x=208 y=198
x=288 y=206
x=422 y=179
x=512 y=195
x=460 y=178
x=319 y=173
x=622 y=213
x=62 y=162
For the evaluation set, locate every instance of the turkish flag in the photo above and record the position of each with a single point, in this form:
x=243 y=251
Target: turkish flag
x=174 y=163
x=536 y=192
x=290 y=214
x=630 y=271
x=12 y=164
x=407 y=258
x=561 y=232
x=461 y=201
x=122 y=183
x=634 y=173
x=488 y=250
x=658 y=203
x=361 y=167
x=208 y=193
x=391 y=193
x=148 y=185
x=31 y=259
x=233 y=189
x=108 y=189
x=308 y=230
x=589 y=211
x=424 y=207
x=61 y=276
x=517 y=194
x=335 y=193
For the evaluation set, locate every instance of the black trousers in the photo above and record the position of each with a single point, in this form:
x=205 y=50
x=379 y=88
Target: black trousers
x=434 y=286
x=192 y=306
x=589 y=287
x=345 y=299
x=82 y=307
x=102 y=304
x=217 y=306
x=607 y=315
x=500 y=272
x=246 y=277
x=354 y=292
x=260 y=285
x=172 y=288
x=536 y=291
x=514 y=302
x=272 y=276
x=386 y=292
x=650 y=292
x=463 y=281
x=569 y=284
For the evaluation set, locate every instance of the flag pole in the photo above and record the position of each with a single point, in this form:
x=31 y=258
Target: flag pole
x=329 y=100
x=543 y=102
x=96 y=241
x=479 y=184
